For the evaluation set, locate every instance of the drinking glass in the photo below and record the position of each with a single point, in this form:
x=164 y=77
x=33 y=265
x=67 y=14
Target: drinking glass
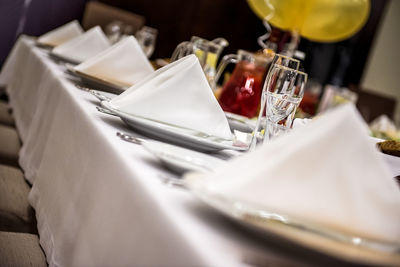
x=284 y=91
x=334 y=96
x=146 y=37
x=278 y=60
x=114 y=31
x=207 y=52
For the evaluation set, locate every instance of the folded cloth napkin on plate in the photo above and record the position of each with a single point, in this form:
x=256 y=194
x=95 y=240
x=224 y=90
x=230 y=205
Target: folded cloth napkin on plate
x=123 y=64
x=326 y=172
x=176 y=94
x=298 y=123
x=61 y=34
x=392 y=162
x=83 y=46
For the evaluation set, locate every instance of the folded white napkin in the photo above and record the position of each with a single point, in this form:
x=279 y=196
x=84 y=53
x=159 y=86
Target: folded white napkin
x=298 y=123
x=61 y=34
x=327 y=172
x=83 y=46
x=392 y=162
x=123 y=64
x=176 y=94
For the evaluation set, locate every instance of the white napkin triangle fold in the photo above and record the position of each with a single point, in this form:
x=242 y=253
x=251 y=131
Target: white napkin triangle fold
x=83 y=46
x=123 y=64
x=176 y=94
x=326 y=172
x=61 y=34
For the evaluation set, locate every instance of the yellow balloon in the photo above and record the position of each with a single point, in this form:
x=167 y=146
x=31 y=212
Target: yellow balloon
x=317 y=20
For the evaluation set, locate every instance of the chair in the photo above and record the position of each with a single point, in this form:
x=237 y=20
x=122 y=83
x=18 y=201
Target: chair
x=16 y=215
x=9 y=145
x=101 y=14
x=5 y=115
x=21 y=249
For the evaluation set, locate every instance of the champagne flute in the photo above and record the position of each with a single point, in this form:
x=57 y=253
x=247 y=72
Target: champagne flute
x=280 y=60
x=284 y=91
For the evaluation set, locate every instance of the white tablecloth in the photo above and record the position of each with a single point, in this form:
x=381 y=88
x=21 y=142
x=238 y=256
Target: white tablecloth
x=100 y=201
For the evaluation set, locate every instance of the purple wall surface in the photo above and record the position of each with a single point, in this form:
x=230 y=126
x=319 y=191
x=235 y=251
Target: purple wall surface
x=10 y=13
x=44 y=15
x=34 y=17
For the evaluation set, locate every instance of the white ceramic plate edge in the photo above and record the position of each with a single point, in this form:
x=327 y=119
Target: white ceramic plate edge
x=181 y=159
x=307 y=238
x=174 y=134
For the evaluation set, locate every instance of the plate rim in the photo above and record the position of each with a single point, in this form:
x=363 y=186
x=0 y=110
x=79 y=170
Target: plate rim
x=44 y=45
x=363 y=255
x=166 y=159
x=195 y=141
x=115 y=87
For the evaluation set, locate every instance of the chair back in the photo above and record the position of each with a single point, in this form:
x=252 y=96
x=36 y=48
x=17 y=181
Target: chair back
x=97 y=13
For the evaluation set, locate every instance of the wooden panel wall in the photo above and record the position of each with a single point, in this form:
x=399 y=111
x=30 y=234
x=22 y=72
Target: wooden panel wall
x=178 y=20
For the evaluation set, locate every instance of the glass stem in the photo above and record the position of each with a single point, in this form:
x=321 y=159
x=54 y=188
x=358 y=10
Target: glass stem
x=253 y=142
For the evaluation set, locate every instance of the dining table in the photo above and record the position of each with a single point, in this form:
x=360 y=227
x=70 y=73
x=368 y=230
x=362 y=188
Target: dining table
x=101 y=201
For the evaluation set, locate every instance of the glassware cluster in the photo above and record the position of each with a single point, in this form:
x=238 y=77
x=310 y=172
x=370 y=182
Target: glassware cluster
x=281 y=95
x=266 y=84
x=208 y=53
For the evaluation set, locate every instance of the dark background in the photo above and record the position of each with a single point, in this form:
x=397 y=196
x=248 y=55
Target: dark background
x=339 y=63
x=177 y=20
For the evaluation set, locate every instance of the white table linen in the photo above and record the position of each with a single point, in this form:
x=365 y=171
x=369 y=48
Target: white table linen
x=99 y=201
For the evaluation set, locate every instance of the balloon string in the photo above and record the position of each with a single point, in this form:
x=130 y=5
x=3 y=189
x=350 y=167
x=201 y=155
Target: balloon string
x=263 y=38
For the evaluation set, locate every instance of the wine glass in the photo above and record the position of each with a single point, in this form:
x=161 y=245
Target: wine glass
x=146 y=37
x=278 y=60
x=114 y=30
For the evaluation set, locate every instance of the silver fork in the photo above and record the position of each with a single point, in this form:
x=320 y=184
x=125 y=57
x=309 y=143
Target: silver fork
x=172 y=181
x=131 y=139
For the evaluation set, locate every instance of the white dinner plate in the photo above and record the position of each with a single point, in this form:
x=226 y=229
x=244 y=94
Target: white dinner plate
x=240 y=123
x=180 y=159
x=98 y=83
x=313 y=236
x=177 y=135
x=236 y=122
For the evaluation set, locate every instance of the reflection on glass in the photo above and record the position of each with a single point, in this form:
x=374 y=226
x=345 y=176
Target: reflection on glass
x=207 y=52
